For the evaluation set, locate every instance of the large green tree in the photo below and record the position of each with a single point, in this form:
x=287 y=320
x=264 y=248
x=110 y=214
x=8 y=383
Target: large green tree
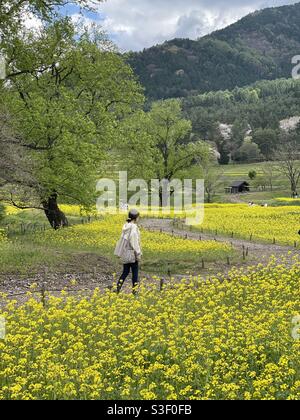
x=175 y=149
x=66 y=108
x=135 y=149
x=267 y=140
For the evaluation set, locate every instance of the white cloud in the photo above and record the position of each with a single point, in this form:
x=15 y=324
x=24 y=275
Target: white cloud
x=32 y=22
x=137 y=24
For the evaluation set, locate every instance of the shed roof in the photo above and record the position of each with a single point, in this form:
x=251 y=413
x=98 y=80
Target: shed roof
x=240 y=184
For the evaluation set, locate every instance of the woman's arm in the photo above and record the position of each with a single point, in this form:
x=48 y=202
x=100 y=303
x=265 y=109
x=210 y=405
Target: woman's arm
x=135 y=242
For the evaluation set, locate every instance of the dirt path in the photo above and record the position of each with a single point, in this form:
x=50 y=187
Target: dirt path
x=256 y=252
x=84 y=272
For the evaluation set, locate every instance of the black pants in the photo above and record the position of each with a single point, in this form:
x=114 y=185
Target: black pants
x=134 y=267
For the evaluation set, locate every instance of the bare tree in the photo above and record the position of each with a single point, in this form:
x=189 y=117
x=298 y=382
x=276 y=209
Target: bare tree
x=269 y=174
x=212 y=179
x=289 y=158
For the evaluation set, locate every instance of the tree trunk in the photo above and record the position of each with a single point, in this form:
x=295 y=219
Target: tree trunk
x=294 y=188
x=161 y=196
x=55 y=216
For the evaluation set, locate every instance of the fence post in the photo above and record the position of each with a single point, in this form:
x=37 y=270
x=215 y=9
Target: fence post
x=43 y=290
x=169 y=271
x=161 y=285
x=43 y=293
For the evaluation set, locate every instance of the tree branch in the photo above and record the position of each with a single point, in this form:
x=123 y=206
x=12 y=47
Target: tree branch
x=23 y=207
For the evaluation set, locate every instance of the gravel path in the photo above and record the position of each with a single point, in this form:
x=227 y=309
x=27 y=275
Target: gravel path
x=257 y=252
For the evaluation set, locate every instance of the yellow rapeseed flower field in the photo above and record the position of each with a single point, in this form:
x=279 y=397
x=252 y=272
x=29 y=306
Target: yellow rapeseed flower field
x=231 y=338
x=281 y=223
x=103 y=235
x=263 y=223
x=288 y=200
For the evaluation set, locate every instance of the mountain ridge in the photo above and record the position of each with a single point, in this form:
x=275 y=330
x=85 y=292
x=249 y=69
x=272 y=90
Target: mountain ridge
x=260 y=46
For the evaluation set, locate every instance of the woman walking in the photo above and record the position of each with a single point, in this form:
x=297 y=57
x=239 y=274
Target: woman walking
x=129 y=250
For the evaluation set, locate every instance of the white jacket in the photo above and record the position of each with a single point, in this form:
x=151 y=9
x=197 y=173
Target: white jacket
x=129 y=246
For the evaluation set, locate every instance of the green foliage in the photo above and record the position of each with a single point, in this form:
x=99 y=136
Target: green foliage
x=224 y=151
x=248 y=152
x=12 y=11
x=2 y=212
x=67 y=111
x=133 y=152
x=258 y=47
x=267 y=140
x=174 y=149
x=252 y=175
x=275 y=101
x=158 y=144
x=238 y=134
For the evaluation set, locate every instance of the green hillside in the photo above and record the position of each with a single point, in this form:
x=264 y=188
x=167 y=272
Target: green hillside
x=262 y=110
x=261 y=105
x=259 y=46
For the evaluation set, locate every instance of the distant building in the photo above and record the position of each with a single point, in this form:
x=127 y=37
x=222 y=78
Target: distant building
x=238 y=187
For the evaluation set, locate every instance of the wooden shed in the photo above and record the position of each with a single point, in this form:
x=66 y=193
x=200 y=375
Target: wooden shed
x=238 y=187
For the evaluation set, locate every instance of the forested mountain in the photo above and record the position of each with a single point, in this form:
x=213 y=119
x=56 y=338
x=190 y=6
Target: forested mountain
x=257 y=111
x=261 y=105
x=259 y=46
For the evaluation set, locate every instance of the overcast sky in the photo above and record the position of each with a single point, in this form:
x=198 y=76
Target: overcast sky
x=138 y=24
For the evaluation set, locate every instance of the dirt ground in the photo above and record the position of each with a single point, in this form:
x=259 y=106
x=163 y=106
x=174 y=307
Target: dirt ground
x=82 y=272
